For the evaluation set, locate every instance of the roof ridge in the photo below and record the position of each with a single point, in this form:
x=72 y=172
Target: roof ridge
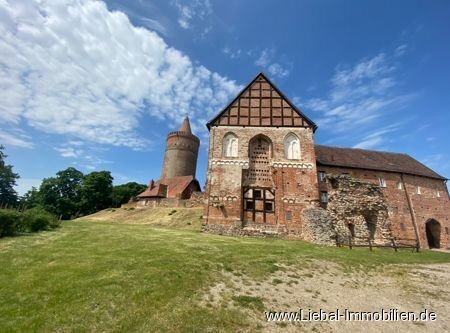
x=363 y=149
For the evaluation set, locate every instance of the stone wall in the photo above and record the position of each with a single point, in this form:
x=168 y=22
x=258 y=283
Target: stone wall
x=432 y=202
x=319 y=227
x=358 y=209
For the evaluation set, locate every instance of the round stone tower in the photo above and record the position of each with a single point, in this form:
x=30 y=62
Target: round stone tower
x=181 y=154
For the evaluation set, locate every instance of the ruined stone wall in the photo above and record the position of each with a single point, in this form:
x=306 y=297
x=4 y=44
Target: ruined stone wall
x=358 y=209
x=427 y=205
x=294 y=181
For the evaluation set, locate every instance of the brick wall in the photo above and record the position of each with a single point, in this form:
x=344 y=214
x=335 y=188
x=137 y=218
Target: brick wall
x=427 y=205
x=294 y=181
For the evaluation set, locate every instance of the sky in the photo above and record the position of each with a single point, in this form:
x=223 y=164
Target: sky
x=97 y=85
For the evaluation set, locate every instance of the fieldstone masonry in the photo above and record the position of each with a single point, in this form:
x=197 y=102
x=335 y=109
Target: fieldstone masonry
x=358 y=209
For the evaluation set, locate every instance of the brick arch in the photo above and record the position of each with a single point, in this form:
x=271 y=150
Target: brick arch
x=255 y=140
x=433 y=233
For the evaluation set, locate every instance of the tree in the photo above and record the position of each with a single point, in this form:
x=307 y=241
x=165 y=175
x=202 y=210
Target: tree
x=123 y=193
x=61 y=195
x=8 y=196
x=31 y=199
x=96 y=191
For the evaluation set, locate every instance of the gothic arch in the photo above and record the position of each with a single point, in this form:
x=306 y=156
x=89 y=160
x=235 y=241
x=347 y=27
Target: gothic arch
x=260 y=140
x=230 y=146
x=292 y=147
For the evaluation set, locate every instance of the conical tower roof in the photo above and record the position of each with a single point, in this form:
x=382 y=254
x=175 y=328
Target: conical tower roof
x=185 y=126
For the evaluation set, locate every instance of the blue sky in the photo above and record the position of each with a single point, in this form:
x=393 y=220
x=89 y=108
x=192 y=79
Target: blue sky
x=97 y=85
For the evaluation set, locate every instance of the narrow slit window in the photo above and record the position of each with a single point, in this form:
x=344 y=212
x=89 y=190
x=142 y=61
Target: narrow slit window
x=322 y=176
x=382 y=182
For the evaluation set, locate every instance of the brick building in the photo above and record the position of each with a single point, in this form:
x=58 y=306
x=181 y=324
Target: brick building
x=178 y=172
x=266 y=176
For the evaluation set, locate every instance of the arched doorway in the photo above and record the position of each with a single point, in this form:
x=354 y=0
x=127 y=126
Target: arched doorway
x=433 y=231
x=258 y=191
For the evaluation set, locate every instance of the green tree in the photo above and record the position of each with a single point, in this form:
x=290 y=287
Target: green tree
x=8 y=196
x=31 y=199
x=96 y=191
x=61 y=195
x=123 y=193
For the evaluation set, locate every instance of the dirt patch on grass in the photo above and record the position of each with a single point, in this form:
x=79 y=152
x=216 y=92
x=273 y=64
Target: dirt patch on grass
x=327 y=286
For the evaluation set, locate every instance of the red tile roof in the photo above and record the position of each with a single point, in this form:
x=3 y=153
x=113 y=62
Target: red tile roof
x=175 y=187
x=372 y=160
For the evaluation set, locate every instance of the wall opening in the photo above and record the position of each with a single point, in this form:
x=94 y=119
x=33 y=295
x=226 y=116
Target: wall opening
x=433 y=231
x=371 y=223
x=351 y=229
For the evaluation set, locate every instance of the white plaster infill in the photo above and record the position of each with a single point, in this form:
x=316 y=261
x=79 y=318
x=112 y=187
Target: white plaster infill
x=243 y=163
x=292 y=165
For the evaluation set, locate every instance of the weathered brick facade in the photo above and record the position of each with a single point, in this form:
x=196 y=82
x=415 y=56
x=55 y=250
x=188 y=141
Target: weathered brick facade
x=426 y=206
x=263 y=176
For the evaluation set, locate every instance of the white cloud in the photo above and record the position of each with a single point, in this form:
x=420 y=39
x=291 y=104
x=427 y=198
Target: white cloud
x=268 y=60
x=74 y=68
x=233 y=54
x=154 y=25
x=192 y=10
x=69 y=152
x=360 y=96
x=15 y=138
x=377 y=137
x=401 y=50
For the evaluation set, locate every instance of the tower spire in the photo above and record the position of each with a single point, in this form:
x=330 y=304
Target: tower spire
x=186 y=126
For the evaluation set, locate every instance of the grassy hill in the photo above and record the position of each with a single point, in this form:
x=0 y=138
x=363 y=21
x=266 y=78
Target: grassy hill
x=105 y=274
x=184 y=218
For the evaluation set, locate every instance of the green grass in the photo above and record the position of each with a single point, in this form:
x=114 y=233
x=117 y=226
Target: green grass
x=109 y=277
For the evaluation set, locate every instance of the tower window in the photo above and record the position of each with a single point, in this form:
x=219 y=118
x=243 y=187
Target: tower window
x=438 y=194
x=418 y=190
x=399 y=185
x=382 y=182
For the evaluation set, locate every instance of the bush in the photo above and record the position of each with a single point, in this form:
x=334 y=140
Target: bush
x=10 y=222
x=36 y=219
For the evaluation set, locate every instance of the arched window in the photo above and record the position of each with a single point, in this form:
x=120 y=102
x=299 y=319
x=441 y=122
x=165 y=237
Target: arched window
x=230 y=145
x=292 y=147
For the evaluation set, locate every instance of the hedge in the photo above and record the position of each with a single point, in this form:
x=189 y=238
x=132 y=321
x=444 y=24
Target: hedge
x=13 y=222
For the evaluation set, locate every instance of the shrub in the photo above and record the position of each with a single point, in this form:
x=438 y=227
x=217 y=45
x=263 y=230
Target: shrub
x=36 y=219
x=10 y=222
